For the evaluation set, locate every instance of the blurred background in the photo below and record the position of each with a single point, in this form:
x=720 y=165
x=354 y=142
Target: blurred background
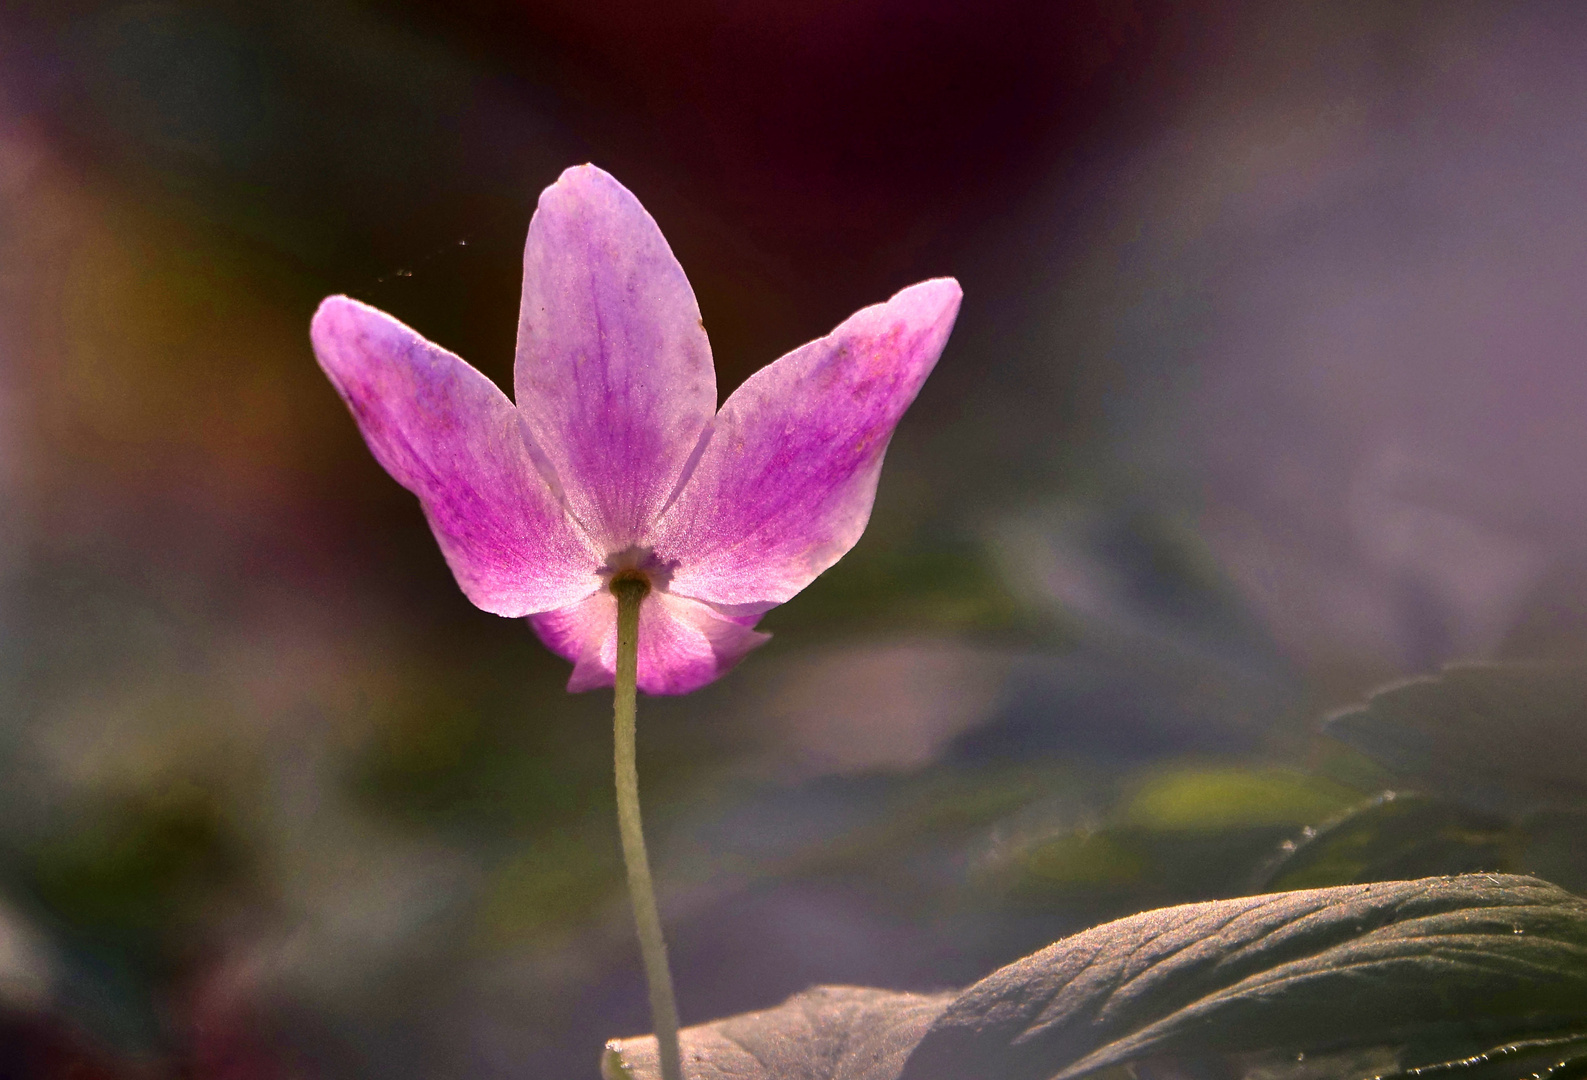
x=1268 y=389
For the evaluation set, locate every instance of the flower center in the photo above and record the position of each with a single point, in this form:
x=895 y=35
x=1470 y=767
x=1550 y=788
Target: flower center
x=633 y=583
x=636 y=569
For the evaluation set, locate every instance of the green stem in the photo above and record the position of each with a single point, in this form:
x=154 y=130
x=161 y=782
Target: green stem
x=663 y=1008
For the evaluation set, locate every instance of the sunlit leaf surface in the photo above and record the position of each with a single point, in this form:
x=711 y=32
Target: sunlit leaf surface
x=825 y=1033
x=1480 y=975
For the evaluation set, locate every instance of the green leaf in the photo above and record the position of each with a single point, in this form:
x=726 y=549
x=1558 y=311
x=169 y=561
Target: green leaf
x=1556 y=847
x=1497 y=735
x=1182 y=832
x=1397 y=836
x=1434 y=970
x=1530 y=1059
x=824 y=1033
x=1218 y=797
x=1480 y=975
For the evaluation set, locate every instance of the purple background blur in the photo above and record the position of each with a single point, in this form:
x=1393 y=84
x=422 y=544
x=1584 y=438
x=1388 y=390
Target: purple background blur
x=1268 y=387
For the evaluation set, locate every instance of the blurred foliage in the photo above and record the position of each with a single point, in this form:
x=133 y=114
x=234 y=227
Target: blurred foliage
x=1501 y=735
x=452 y=762
x=1069 y=844
x=1206 y=799
x=1058 y=842
x=930 y=586
x=940 y=810
x=1162 y=835
x=134 y=892
x=138 y=876
x=558 y=882
x=1495 y=750
x=1395 y=837
x=1556 y=847
x=995 y=858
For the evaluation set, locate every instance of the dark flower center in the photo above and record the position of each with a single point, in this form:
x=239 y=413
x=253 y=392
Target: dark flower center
x=636 y=568
x=630 y=583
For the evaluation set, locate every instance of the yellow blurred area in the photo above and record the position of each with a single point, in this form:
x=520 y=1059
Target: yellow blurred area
x=1187 y=797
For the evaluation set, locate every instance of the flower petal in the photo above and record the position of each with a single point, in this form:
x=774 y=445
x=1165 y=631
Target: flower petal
x=683 y=644
x=585 y=633
x=614 y=374
x=447 y=434
x=785 y=484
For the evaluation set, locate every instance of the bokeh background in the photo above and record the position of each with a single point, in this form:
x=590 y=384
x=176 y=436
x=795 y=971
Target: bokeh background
x=1268 y=388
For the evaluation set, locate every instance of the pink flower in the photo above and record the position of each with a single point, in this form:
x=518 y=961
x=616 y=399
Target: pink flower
x=615 y=459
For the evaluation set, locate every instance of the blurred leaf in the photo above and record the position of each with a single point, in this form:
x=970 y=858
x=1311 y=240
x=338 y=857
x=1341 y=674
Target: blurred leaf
x=1130 y=570
x=134 y=893
x=1490 y=734
x=446 y=760
x=923 y=814
x=1396 y=836
x=825 y=1033
x=561 y=880
x=1479 y=974
x=923 y=589
x=1531 y=1059
x=1556 y=847
x=134 y=876
x=1215 y=798
x=1190 y=832
x=1085 y=859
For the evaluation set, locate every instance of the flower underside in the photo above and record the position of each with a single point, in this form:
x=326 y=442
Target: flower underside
x=614 y=469
x=635 y=563
x=634 y=583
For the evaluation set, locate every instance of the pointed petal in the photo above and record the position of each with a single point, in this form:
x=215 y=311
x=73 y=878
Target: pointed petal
x=614 y=374
x=784 y=487
x=447 y=434
x=683 y=644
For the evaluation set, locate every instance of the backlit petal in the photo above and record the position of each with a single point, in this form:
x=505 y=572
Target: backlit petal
x=683 y=644
x=447 y=434
x=614 y=373
x=785 y=484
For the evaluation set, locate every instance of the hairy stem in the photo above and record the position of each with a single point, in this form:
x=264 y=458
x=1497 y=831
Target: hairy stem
x=663 y=1008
